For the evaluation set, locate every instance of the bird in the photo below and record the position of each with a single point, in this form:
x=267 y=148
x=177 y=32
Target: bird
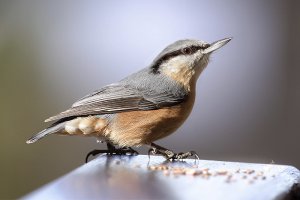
x=141 y=108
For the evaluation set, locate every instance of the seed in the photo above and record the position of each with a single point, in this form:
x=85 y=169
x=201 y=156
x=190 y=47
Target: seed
x=166 y=173
x=222 y=172
x=248 y=171
x=191 y=172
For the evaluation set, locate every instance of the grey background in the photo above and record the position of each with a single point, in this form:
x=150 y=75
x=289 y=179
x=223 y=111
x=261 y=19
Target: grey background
x=54 y=52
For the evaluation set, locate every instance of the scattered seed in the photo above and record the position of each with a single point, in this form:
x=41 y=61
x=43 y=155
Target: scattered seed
x=166 y=172
x=206 y=173
x=178 y=171
x=260 y=173
x=152 y=167
x=204 y=169
x=191 y=172
x=248 y=171
x=222 y=172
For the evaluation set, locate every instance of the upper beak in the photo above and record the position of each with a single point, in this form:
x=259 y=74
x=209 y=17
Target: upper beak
x=216 y=45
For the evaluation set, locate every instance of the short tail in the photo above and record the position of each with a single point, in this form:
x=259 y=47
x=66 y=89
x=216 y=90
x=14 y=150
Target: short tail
x=52 y=129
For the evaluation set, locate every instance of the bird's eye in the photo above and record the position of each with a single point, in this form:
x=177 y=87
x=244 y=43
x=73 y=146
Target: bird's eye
x=187 y=50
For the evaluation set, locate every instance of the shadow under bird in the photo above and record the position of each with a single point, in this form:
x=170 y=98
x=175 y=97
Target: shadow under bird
x=143 y=107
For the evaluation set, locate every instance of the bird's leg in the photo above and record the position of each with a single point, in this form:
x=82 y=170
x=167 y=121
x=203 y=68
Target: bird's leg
x=110 y=147
x=156 y=149
x=120 y=151
x=128 y=150
x=170 y=155
x=111 y=150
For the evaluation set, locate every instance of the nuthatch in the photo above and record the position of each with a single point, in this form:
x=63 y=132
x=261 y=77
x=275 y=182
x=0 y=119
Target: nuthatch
x=143 y=107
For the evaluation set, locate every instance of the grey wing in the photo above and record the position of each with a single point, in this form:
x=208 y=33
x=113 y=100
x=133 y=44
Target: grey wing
x=117 y=98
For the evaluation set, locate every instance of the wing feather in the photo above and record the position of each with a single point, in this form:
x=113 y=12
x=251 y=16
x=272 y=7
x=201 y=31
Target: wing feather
x=116 y=98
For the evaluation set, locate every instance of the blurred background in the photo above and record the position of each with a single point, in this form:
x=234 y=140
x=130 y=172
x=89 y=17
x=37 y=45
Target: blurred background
x=54 y=52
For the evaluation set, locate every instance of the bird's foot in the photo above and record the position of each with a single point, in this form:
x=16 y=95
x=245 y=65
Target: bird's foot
x=170 y=155
x=111 y=150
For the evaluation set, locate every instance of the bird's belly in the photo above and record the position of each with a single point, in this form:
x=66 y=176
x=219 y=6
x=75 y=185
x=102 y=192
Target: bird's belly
x=136 y=128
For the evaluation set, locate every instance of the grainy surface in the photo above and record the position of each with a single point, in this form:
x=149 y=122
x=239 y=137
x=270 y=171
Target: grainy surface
x=137 y=177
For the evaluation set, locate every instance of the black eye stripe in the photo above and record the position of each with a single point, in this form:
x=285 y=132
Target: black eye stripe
x=184 y=51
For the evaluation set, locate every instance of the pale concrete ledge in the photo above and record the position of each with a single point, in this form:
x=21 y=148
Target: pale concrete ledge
x=135 y=177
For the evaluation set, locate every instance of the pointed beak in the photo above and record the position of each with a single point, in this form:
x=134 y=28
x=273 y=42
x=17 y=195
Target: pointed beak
x=216 y=45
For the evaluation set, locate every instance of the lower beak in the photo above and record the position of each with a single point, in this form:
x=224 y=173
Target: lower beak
x=216 y=45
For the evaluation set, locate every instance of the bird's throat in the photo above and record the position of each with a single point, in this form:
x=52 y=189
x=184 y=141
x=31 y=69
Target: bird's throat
x=183 y=75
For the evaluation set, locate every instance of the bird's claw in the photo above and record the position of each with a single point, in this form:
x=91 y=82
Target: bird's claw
x=181 y=155
x=112 y=151
x=170 y=155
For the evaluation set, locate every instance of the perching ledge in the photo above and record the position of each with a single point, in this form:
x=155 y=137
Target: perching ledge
x=137 y=177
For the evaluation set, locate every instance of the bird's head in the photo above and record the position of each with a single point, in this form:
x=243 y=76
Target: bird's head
x=184 y=60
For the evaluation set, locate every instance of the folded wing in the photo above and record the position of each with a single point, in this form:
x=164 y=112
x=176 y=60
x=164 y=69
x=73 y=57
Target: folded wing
x=117 y=98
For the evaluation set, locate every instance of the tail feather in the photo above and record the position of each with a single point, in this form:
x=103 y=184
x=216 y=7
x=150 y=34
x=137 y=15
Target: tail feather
x=52 y=129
